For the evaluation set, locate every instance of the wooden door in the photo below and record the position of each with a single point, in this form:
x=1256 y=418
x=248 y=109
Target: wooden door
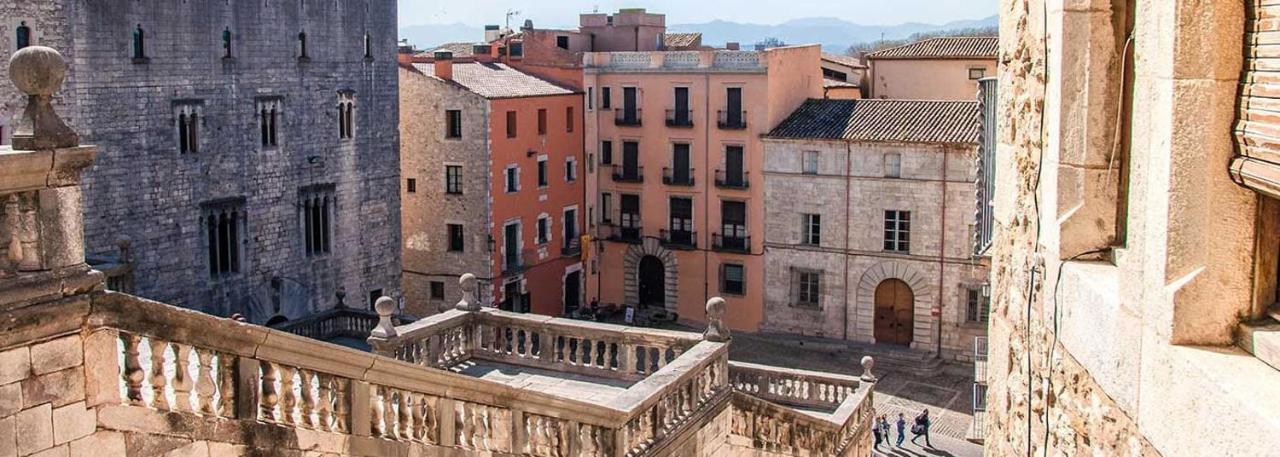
x=894 y=313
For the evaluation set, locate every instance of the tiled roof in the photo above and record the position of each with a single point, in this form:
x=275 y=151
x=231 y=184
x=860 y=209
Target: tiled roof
x=943 y=48
x=912 y=121
x=828 y=83
x=680 y=40
x=495 y=80
x=847 y=61
x=459 y=49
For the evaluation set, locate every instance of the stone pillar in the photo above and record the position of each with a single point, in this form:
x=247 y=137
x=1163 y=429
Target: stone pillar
x=41 y=227
x=716 y=331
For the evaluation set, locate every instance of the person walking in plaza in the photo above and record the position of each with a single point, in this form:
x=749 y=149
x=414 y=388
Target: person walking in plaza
x=921 y=428
x=875 y=430
x=902 y=425
x=883 y=423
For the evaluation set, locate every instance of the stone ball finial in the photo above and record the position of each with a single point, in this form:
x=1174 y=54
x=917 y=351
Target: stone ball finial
x=37 y=70
x=867 y=363
x=716 y=332
x=470 y=299
x=385 y=306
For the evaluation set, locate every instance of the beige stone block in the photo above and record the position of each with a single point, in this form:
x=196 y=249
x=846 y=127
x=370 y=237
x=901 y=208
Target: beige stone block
x=73 y=422
x=35 y=429
x=60 y=451
x=226 y=450
x=101 y=368
x=196 y=449
x=59 y=388
x=10 y=399
x=15 y=365
x=103 y=443
x=8 y=437
x=55 y=355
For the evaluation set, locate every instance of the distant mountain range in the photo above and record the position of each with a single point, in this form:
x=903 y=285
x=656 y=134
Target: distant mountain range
x=834 y=34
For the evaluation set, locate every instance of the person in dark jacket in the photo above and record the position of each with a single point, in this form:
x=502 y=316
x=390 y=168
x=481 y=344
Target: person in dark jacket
x=902 y=426
x=921 y=428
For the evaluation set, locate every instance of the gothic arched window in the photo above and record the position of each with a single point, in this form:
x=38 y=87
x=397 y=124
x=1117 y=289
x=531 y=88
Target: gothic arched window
x=139 y=43
x=24 y=35
x=226 y=43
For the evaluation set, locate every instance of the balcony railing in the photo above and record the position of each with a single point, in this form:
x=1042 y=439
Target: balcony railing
x=628 y=174
x=514 y=263
x=679 y=239
x=731 y=120
x=980 y=359
x=680 y=118
x=733 y=181
x=670 y=177
x=626 y=117
x=627 y=232
x=731 y=243
x=571 y=247
x=842 y=403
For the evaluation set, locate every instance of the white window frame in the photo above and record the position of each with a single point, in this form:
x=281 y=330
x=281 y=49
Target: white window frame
x=809 y=162
x=808 y=234
x=892 y=165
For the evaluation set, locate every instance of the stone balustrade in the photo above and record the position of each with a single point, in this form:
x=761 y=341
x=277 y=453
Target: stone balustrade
x=762 y=418
x=707 y=60
x=790 y=386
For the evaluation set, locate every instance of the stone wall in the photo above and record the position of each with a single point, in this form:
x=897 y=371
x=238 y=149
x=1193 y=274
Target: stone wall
x=851 y=193
x=143 y=189
x=423 y=156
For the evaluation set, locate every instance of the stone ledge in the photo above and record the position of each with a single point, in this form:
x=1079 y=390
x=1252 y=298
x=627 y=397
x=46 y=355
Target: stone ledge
x=1262 y=339
x=30 y=170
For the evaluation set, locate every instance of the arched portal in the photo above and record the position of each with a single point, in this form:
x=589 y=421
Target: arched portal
x=894 y=312
x=653 y=278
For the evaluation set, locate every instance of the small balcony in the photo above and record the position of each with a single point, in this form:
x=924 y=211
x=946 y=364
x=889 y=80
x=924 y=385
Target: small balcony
x=679 y=239
x=740 y=244
x=628 y=174
x=571 y=247
x=626 y=232
x=731 y=120
x=680 y=118
x=733 y=181
x=628 y=117
x=672 y=177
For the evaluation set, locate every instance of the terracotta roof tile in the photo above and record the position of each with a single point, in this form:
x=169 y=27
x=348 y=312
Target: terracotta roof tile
x=680 y=40
x=943 y=48
x=459 y=49
x=912 y=121
x=847 y=61
x=495 y=80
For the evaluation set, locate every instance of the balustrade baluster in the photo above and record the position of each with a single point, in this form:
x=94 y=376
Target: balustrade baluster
x=308 y=398
x=182 y=377
x=268 y=399
x=204 y=381
x=227 y=385
x=159 y=399
x=405 y=415
x=342 y=394
x=378 y=406
x=419 y=413
x=290 y=398
x=132 y=373
x=325 y=405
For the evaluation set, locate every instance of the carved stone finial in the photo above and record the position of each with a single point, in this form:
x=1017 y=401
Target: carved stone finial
x=385 y=306
x=38 y=72
x=470 y=299
x=716 y=332
x=867 y=363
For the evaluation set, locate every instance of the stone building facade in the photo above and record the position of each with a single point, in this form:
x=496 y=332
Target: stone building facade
x=1129 y=272
x=175 y=93
x=830 y=261
x=934 y=69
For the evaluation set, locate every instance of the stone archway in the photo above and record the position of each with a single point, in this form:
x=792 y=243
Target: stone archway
x=631 y=274
x=921 y=289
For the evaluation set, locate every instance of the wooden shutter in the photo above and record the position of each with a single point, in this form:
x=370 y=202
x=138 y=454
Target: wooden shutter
x=1257 y=129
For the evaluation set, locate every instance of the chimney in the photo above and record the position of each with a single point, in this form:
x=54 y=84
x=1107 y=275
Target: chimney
x=732 y=46
x=444 y=65
x=491 y=33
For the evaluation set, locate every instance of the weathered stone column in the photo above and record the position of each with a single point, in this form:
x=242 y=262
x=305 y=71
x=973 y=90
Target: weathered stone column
x=41 y=227
x=716 y=331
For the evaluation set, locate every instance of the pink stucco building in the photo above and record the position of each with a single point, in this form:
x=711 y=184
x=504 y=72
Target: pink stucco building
x=933 y=69
x=675 y=190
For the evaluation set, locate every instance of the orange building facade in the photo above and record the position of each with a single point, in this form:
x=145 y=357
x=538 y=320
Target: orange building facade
x=675 y=198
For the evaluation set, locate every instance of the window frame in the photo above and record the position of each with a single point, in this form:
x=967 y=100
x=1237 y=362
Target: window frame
x=809 y=162
x=452 y=179
x=436 y=290
x=513 y=120
x=317 y=227
x=982 y=73
x=542 y=230
x=512 y=179
x=460 y=238
x=452 y=124
x=724 y=279
x=411 y=185
x=806 y=283
x=897 y=231
x=892 y=168
x=811 y=229
x=544 y=175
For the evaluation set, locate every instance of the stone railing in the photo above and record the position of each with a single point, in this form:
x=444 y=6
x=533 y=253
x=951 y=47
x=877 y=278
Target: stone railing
x=709 y=60
x=333 y=323
x=763 y=418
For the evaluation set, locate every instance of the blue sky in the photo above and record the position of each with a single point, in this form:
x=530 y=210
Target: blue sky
x=550 y=13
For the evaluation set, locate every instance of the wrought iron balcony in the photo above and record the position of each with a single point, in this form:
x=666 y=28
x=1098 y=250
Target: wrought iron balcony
x=517 y=262
x=628 y=174
x=731 y=120
x=628 y=117
x=731 y=243
x=680 y=118
x=673 y=177
x=679 y=239
x=626 y=232
x=571 y=247
x=733 y=181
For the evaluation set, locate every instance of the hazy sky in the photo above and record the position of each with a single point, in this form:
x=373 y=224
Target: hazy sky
x=550 y=13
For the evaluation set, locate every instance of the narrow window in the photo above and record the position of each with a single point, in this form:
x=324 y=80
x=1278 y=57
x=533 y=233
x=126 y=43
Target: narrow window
x=544 y=230
x=606 y=208
x=542 y=121
x=139 y=43
x=542 y=171
x=453 y=123
x=977 y=73
x=453 y=179
x=511 y=124
x=317 y=206
x=513 y=178
x=455 y=237
x=24 y=35
x=977 y=306
x=731 y=279
x=591 y=98
x=188 y=126
x=437 y=290
x=809 y=165
x=413 y=185
x=570 y=169
x=374 y=295
x=302 y=45
x=222 y=221
x=268 y=121
x=346 y=115
x=897 y=231
x=606 y=152
x=812 y=230
x=606 y=98
x=368 y=46
x=562 y=42
x=892 y=165
x=568 y=119
x=226 y=43
x=570 y=223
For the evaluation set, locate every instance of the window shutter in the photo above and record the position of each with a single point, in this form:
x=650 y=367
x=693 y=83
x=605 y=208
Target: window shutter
x=1257 y=129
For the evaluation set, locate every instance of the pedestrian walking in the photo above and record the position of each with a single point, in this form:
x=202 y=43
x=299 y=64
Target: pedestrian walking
x=902 y=425
x=875 y=430
x=884 y=428
x=921 y=428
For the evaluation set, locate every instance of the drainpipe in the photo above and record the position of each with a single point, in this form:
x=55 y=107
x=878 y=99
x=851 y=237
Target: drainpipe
x=942 y=253
x=848 y=200
x=706 y=181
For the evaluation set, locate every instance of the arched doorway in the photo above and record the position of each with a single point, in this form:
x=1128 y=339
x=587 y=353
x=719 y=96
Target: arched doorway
x=895 y=312
x=653 y=279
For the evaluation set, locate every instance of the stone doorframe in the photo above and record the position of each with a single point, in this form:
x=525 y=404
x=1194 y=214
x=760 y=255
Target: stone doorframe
x=922 y=337
x=631 y=271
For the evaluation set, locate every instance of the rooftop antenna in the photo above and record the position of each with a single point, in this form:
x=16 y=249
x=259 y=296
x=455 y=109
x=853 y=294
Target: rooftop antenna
x=595 y=9
x=511 y=13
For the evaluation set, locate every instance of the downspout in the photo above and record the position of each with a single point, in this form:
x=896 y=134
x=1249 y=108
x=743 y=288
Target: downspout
x=942 y=252
x=848 y=200
x=706 y=181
